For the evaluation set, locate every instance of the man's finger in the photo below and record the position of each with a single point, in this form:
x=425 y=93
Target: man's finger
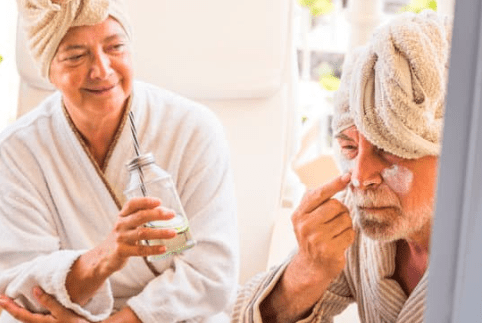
x=20 y=313
x=139 y=203
x=325 y=192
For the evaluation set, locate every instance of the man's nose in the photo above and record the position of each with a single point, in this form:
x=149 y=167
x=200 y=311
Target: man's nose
x=368 y=166
x=101 y=65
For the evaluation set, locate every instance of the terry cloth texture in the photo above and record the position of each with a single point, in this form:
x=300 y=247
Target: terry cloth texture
x=56 y=203
x=46 y=23
x=342 y=118
x=364 y=280
x=399 y=87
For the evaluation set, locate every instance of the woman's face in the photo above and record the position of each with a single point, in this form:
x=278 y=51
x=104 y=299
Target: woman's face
x=93 y=69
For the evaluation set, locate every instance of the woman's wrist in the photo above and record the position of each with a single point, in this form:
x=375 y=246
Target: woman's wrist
x=88 y=273
x=126 y=315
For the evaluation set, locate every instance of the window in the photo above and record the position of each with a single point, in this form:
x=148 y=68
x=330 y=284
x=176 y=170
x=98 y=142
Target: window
x=321 y=42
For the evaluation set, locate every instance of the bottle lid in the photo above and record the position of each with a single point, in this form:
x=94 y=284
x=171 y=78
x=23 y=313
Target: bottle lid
x=140 y=161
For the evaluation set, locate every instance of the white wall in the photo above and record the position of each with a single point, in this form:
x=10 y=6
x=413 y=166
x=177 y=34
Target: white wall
x=8 y=74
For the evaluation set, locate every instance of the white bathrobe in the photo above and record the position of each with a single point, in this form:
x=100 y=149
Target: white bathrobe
x=55 y=203
x=365 y=280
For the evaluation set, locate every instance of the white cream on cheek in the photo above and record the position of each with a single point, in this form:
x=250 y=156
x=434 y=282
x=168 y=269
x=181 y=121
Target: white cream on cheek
x=355 y=182
x=398 y=178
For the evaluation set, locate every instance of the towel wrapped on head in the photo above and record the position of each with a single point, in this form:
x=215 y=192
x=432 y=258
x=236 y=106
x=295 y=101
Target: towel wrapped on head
x=342 y=118
x=46 y=22
x=399 y=85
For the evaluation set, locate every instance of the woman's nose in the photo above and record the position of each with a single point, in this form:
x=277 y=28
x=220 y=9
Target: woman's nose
x=368 y=166
x=101 y=66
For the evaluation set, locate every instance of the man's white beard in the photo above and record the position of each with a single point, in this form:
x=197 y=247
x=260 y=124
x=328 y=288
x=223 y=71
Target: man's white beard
x=392 y=223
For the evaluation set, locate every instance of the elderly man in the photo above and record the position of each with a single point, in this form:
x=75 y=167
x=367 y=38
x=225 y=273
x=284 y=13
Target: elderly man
x=373 y=247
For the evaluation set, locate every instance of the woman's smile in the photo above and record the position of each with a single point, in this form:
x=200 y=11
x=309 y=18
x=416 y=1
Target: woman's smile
x=104 y=90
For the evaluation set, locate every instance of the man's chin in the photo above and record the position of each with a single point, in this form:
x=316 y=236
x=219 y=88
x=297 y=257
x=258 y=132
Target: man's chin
x=375 y=230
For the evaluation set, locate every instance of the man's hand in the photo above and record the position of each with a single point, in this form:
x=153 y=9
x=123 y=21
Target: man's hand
x=324 y=231
x=58 y=313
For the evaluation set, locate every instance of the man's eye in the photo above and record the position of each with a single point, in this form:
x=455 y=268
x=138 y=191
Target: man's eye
x=349 y=151
x=389 y=156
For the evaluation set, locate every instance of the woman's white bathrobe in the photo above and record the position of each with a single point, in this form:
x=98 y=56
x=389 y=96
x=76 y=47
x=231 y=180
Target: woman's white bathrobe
x=55 y=203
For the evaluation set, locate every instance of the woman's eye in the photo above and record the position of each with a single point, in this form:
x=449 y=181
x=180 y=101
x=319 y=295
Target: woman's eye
x=117 y=47
x=74 y=58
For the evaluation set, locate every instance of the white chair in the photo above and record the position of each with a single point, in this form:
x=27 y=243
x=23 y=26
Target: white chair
x=238 y=58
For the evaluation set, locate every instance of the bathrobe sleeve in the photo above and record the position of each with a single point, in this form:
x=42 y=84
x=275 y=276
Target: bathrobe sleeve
x=27 y=224
x=201 y=281
x=246 y=309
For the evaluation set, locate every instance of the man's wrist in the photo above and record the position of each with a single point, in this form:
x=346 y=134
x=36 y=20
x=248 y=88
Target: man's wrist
x=295 y=294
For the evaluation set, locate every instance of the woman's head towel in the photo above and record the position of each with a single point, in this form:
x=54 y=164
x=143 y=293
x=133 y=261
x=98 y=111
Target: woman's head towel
x=46 y=23
x=397 y=93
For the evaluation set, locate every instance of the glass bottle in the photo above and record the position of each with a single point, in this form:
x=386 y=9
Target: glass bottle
x=148 y=179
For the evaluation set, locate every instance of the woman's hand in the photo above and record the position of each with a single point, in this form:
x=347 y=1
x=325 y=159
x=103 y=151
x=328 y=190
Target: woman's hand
x=93 y=268
x=125 y=240
x=58 y=313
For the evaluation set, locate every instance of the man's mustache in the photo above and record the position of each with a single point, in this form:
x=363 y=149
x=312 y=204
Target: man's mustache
x=381 y=197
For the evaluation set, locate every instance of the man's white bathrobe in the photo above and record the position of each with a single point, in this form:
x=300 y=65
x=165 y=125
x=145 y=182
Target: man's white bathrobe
x=56 y=203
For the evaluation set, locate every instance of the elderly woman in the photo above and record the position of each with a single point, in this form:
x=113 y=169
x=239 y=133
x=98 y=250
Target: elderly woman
x=67 y=229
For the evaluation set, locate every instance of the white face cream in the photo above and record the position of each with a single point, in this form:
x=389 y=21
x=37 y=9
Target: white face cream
x=398 y=178
x=355 y=182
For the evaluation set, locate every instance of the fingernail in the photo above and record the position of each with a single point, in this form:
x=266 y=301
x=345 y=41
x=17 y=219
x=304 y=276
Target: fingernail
x=37 y=291
x=346 y=177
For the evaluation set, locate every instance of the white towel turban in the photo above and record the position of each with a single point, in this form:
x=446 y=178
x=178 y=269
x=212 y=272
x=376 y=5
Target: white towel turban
x=46 y=23
x=399 y=85
x=342 y=118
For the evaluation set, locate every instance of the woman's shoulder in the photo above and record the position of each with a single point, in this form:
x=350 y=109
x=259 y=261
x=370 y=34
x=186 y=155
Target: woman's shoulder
x=175 y=107
x=30 y=123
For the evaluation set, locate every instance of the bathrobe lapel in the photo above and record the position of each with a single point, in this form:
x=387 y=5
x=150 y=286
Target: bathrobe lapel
x=384 y=296
x=86 y=181
x=414 y=309
x=110 y=181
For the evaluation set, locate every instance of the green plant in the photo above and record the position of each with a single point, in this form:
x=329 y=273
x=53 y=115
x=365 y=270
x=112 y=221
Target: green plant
x=328 y=80
x=419 y=5
x=317 y=7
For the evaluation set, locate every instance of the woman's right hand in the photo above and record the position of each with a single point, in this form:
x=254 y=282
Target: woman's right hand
x=94 y=267
x=125 y=240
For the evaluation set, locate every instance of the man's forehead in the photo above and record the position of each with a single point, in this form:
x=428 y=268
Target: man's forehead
x=350 y=133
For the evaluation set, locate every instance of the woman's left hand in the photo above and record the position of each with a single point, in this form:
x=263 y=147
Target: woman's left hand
x=58 y=313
